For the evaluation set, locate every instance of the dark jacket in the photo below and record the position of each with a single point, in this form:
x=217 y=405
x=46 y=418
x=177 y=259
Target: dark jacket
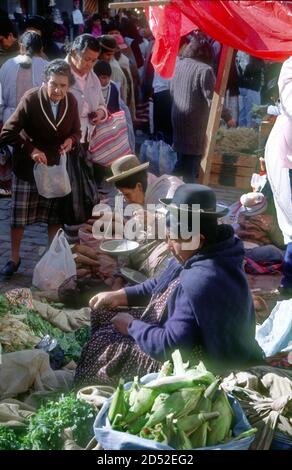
x=212 y=308
x=191 y=91
x=28 y=127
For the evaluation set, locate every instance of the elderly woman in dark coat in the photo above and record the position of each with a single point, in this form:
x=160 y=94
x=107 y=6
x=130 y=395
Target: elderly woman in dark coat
x=201 y=304
x=44 y=125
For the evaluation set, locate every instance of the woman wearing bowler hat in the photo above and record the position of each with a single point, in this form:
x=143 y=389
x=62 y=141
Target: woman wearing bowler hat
x=201 y=304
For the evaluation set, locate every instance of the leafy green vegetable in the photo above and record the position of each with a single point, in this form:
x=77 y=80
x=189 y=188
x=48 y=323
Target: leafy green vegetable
x=4 y=306
x=71 y=343
x=9 y=439
x=46 y=426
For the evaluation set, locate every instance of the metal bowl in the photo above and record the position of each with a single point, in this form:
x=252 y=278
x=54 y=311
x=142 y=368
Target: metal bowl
x=119 y=247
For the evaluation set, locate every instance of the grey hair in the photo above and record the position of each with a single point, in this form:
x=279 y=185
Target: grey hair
x=59 y=67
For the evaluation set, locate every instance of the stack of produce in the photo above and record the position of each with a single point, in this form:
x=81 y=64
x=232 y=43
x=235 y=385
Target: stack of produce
x=22 y=328
x=185 y=410
x=265 y=394
x=14 y=333
x=236 y=140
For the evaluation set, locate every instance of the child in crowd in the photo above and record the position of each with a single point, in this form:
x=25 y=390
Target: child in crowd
x=109 y=89
x=112 y=98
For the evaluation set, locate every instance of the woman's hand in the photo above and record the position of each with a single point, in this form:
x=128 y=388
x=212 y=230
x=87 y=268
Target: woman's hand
x=109 y=300
x=38 y=156
x=122 y=321
x=67 y=145
x=100 y=115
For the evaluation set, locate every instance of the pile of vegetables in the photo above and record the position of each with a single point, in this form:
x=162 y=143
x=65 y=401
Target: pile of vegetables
x=44 y=430
x=237 y=140
x=14 y=333
x=185 y=410
x=22 y=328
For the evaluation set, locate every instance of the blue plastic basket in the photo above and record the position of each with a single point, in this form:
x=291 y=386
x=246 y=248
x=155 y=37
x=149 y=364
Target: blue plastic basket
x=116 y=440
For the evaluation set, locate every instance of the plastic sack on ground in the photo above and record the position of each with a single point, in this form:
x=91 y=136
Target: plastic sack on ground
x=161 y=156
x=52 y=181
x=116 y=440
x=55 y=266
x=275 y=334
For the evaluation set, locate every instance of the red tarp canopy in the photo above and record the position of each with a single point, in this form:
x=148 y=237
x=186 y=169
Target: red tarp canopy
x=260 y=28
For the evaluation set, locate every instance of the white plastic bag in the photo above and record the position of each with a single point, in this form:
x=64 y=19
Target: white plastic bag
x=55 y=266
x=275 y=334
x=52 y=181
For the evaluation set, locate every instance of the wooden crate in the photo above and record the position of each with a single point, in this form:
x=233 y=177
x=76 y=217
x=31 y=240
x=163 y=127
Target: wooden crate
x=232 y=170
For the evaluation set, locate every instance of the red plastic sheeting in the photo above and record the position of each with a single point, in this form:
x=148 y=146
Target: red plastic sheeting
x=260 y=28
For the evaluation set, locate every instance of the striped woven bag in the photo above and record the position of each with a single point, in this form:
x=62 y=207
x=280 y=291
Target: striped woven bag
x=109 y=140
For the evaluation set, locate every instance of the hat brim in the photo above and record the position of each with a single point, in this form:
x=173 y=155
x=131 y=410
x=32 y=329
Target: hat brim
x=221 y=210
x=130 y=172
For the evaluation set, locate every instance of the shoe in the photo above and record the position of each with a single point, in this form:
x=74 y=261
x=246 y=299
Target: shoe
x=10 y=268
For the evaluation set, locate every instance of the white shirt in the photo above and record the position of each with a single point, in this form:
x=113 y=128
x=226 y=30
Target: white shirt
x=160 y=84
x=81 y=81
x=77 y=17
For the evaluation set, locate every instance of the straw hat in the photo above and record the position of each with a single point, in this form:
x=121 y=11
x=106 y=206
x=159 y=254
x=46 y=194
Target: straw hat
x=126 y=166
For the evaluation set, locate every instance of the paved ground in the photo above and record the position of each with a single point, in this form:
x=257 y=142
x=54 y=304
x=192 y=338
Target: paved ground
x=33 y=246
x=35 y=241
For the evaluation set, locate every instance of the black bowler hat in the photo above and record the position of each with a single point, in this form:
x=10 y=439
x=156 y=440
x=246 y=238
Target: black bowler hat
x=190 y=194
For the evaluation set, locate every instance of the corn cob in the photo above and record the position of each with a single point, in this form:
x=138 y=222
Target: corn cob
x=117 y=405
x=166 y=369
x=199 y=436
x=136 y=426
x=159 y=401
x=178 y=365
x=192 y=422
x=179 y=403
x=134 y=391
x=202 y=376
x=143 y=403
x=176 y=382
x=157 y=433
x=179 y=439
x=220 y=426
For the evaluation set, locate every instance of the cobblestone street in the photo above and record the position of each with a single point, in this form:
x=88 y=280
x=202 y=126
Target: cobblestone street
x=32 y=248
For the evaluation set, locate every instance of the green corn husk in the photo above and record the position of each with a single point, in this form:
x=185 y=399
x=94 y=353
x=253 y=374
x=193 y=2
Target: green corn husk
x=179 y=403
x=157 y=433
x=179 y=439
x=133 y=392
x=158 y=402
x=243 y=435
x=118 y=404
x=136 y=426
x=192 y=422
x=176 y=382
x=166 y=369
x=143 y=403
x=178 y=365
x=199 y=436
x=220 y=427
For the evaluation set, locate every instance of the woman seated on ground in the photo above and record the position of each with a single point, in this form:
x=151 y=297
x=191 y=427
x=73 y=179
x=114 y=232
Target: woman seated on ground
x=201 y=304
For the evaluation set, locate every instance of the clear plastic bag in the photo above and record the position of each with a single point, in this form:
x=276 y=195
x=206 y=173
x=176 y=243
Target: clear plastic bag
x=55 y=266
x=161 y=156
x=52 y=181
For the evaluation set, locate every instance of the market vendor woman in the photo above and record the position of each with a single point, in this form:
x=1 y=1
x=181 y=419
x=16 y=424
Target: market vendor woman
x=44 y=125
x=201 y=304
